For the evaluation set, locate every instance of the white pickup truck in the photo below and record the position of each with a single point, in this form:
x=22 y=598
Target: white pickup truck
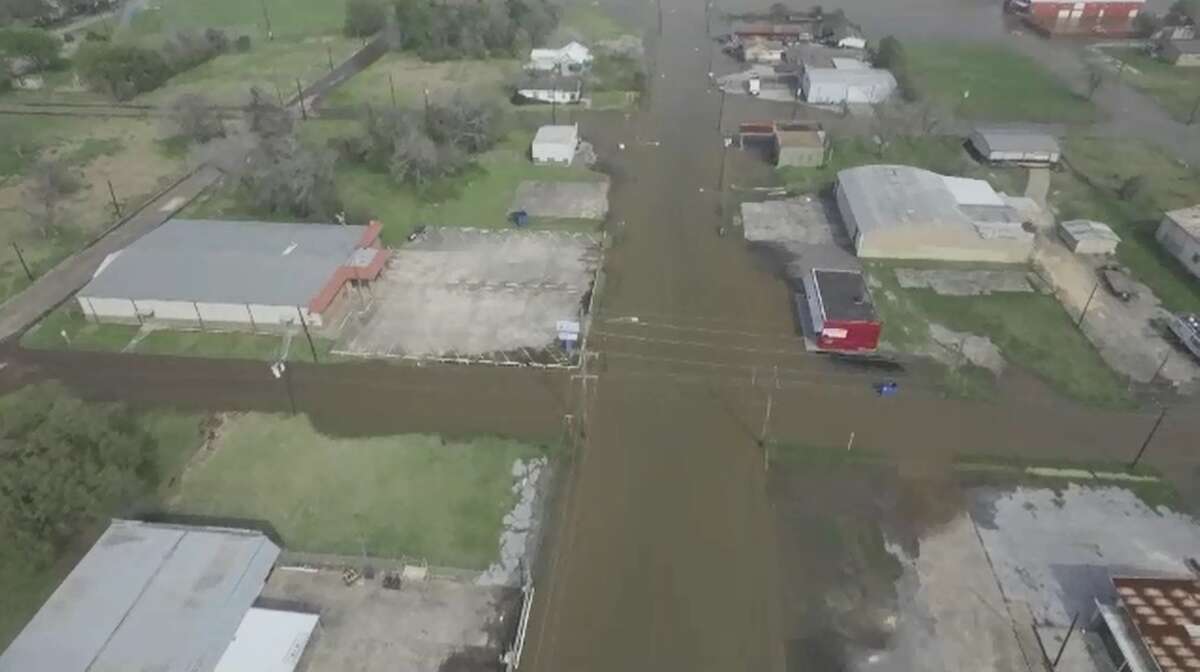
x=754 y=85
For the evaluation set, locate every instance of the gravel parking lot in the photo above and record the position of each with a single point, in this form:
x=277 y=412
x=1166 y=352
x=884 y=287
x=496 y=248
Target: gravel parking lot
x=477 y=294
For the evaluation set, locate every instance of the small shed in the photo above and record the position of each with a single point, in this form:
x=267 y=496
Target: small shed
x=843 y=317
x=1015 y=146
x=1179 y=234
x=1184 y=53
x=800 y=145
x=836 y=86
x=1083 y=236
x=555 y=144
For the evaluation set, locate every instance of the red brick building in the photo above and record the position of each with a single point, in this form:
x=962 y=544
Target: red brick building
x=1091 y=17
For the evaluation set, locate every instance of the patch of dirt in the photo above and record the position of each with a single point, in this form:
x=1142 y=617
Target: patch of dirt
x=957 y=347
x=213 y=430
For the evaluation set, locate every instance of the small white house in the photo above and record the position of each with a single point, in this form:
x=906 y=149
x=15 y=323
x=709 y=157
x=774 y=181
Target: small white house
x=1179 y=233
x=1084 y=236
x=1015 y=146
x=559 y=89
x=572 y=58
x=555 y=144
x=834 y=86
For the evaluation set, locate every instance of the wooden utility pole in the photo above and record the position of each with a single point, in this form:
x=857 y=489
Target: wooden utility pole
x=300 y=97
x=267 y=20
x=312 y=348
x=392 y=86
x=1063 y=647
x=329 y=55
x=1149 y=437
x=113 y=195
x=1195 y=110
x=21 y=258
x=1083 y=313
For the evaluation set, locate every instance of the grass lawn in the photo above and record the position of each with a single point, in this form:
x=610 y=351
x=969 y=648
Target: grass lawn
x=273 y=67
x=479 y=198
x=1176 y=89
x=1004 y=85
x=1031 y=330
x=940 y=154
x=589 y=24
x=477 y=80
x=415 y=495
x=1167 y=185
x=87 y=335
x=289 y=18
x=126 y=152
x=26 y=587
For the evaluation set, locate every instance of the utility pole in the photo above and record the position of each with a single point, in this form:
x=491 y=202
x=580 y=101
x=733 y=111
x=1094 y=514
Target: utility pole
x=1195 y=110
x=267 y=20
x=1162 y=365
x=1149 y=437
x=113 y=195
x=21 y=258
x=1082 y=314
x=307 y=335
x=280 y=369
x=392 y=86
x=721 y=113
x=300 y=97
x=762 y=437
x=1063 y=647
x=329 y=55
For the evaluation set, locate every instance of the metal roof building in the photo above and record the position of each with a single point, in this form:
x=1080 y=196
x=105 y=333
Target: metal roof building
x=1015 y=146
x=1179 y=233
x=1154 y=626
x=555 y=144
x=147 y=598
x=846 y=85
x=257 y=274
x=901 y=212
x=1084 y=236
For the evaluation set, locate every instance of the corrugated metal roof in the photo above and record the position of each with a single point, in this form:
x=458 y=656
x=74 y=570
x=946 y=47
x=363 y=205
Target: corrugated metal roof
x=851 y=77
x=1016 y=140
x=267 y=263
x=557 y=135
x=1086 y=229
x=1187 y=219
x=1166 y=614
x=147 y=598
x=268 y=640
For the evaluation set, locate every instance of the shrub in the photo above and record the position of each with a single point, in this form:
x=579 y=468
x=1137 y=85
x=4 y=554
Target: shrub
x=123 y=71
x=243 y=43
x=364 y=18
x=40 y=47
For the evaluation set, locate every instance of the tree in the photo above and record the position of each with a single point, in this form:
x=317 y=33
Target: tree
x=1146 y=24
x=186 y=49
x=121 y=70
x=50 y=182
x=284 y=178
x=23 y=10
x=39 y=47
x=466 y=125
x=364 y=18
x=194 y=117
x=266 y=119
x=1131 y=187
x=889 y=55
x=1183 y=12
x=65 y=464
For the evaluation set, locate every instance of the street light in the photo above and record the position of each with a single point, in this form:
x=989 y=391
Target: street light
x=280 y=370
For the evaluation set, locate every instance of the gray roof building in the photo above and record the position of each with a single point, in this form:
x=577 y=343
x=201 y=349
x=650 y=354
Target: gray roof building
x=1022 y=146
x=267 y=263
x=147 y=598
x=902 y=212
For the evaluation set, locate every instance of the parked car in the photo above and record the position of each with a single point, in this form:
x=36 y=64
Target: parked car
x=1117 y=280
x=754 y=85
x=1187 y=329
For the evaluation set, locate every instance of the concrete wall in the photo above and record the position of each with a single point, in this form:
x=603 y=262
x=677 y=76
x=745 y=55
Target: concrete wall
x=551 y=152
x=806 y=157
x=1180 y=244
x=942 y=246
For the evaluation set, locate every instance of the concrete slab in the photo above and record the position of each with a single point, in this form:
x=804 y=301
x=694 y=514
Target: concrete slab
x=419 y=628
x=476 y=293
x=949 y=282
x=565 y=200
x=806 y=231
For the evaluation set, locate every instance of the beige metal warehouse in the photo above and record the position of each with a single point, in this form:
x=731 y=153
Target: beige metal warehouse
x=901 y=212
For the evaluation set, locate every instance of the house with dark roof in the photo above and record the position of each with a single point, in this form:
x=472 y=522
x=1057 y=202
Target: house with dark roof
x=239 y=275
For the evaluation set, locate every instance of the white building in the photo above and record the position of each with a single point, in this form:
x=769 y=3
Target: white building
x=1179 y=233
x=555 y=144
x=240 y=275
x=901 y=212
x=572 y=58
x=170 y=598
x=835 y=86
x=559 y=89
x=1084 y=236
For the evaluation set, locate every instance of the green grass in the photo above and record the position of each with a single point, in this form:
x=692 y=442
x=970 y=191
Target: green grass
x=272 y=67
x=289 y=18
x=24 y=139
x=409 y=76
x=25 y=587
x=94 y=148
x=479 y=198
x=83 y=334
x=1004 y=85
x=1032 y=331
x=941 y=154
x=591 y=24
x=415 y=495
x=1176 y=89
x=87 y=335
x=1107 y=165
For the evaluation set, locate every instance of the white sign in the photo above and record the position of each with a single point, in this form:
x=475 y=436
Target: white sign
x=834 y=333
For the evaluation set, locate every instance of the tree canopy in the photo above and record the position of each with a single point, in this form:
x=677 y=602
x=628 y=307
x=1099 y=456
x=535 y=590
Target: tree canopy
x=38 y=46
x=65 y=464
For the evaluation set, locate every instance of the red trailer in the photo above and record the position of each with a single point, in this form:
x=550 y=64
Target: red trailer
x=843 y=317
